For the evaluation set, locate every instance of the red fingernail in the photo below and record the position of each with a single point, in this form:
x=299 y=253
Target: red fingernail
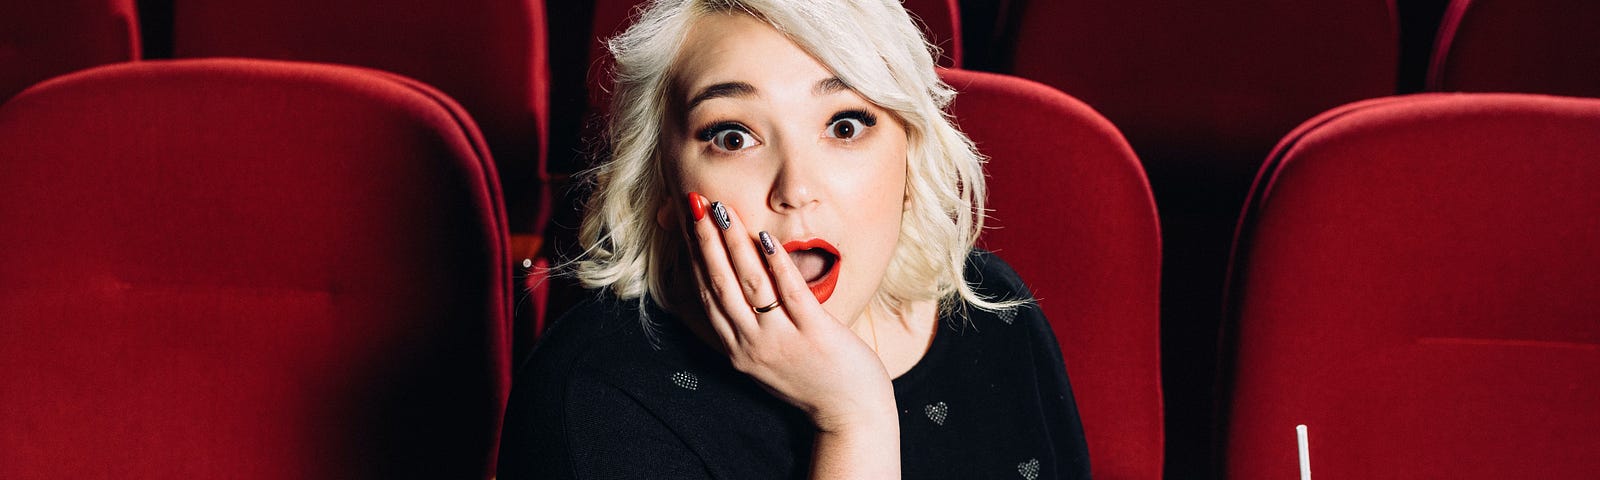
x=697 y=205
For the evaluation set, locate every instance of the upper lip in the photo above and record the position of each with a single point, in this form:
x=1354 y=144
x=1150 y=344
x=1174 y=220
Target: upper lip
x=795 y=245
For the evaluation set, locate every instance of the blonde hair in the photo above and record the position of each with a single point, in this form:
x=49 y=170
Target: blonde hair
x=871 y=45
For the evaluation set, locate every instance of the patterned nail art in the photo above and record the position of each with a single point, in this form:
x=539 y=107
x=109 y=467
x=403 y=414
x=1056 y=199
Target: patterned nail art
x=719 y=214
x=767 y=244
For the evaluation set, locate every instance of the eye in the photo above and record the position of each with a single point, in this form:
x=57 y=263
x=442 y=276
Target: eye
x=851 y=124
x=728 y=137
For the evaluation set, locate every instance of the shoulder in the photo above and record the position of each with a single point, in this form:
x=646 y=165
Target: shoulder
x=993 y=277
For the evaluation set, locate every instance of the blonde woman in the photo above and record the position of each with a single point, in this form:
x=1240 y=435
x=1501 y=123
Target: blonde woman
x=782 y=242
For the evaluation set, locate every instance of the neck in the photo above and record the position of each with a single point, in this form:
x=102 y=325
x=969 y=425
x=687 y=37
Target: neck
x=900 y=337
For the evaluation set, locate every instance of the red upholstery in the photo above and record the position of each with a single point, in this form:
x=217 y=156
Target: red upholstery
x=1212 y=75
x=941 y=22
x=487 y=54
x=1202 y=90
x=42 y=39
x=1547 y=46
x=1073 y=215
x=248 y=269
x=1415 y=283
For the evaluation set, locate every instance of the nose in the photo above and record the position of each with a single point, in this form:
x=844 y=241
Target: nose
x=796 y=186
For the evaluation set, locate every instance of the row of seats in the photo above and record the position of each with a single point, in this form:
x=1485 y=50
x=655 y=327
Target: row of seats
x=254 y=269
x=1200 y=153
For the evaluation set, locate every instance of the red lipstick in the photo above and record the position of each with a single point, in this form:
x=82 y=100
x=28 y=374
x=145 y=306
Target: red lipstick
x=822 y=286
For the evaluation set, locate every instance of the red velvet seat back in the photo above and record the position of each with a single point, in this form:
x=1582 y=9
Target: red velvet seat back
x=1546 y=46
x=1202 y=90
x=1415 y=282
x=1211 y=77
x=42 y=39
x=487 y=54
x=1073 y=215
x=248 y=269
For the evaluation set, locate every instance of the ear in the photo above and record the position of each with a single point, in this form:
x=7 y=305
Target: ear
x=665 y=216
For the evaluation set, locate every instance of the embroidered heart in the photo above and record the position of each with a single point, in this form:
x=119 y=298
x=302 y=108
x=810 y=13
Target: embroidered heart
x=686 y=380
x=1029 y=469
x=1008 y=316
x=937 y=412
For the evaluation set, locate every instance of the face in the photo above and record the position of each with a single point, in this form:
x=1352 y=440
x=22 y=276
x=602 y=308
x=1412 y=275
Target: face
x=763 y=127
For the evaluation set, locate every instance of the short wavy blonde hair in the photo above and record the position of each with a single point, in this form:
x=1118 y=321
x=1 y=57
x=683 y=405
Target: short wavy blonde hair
x=873 y=46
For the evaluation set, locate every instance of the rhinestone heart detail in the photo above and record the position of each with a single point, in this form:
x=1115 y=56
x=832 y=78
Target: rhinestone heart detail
x=1029 y=469
x=686 y=380
x=937 y=412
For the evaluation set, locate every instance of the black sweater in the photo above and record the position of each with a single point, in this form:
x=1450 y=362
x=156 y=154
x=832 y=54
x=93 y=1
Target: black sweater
x=596 y=400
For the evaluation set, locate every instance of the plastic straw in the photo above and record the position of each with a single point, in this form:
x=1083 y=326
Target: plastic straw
x=1305 y=452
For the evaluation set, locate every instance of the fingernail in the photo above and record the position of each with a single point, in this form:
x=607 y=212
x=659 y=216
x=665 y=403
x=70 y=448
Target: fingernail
x=767 y=243
x=697 y=205
x=719 y=214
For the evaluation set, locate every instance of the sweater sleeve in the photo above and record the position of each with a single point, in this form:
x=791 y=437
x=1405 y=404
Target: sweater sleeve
x=1055 y=391
x=1060 y=409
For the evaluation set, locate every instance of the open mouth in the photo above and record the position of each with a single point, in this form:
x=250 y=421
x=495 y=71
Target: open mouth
x=818 y=262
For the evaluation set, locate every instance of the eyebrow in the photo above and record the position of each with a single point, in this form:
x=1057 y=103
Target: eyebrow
x=827 y=86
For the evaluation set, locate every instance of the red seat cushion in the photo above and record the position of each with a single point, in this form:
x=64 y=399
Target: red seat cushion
x=487 y=54
x=248 y=269
x=1415 y=282
x=1073 y=214
x=1547 y=46
x=39 y=40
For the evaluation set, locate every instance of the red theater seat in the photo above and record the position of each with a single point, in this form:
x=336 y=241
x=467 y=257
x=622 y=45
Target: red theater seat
x=1546 y=46
x=487 y=54
x=1203 y=90
x=248 y=269
x=1415 y=281
x=42 y=39
x=1073 y=215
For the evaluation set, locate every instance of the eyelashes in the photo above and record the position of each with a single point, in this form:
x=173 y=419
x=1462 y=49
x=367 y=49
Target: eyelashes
x=865 y=117
x=710 y=132
x=731 y=136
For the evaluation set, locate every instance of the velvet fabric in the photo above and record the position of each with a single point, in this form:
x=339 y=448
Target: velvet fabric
x=489 y=55
x=1071 y=211
x=1202 y=90
x=248 y=269
x=1548 y=46
x=39 y=40
x=1414 y=280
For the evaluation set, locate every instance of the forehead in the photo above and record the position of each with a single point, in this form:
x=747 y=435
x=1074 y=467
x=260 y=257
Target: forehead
x=735 y=47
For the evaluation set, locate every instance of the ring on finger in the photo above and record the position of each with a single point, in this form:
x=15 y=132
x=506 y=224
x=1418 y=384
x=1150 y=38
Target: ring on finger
x=770 y=307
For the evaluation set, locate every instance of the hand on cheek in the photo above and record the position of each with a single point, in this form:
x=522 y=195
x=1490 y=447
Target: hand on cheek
x=773 y=329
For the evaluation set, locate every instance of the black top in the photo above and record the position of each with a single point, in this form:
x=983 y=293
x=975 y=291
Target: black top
x=595 y=399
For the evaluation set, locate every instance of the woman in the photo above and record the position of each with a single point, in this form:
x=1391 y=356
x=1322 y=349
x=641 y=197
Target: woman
x=782 y=241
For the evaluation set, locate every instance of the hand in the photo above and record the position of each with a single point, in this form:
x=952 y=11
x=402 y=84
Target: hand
x=797 y=350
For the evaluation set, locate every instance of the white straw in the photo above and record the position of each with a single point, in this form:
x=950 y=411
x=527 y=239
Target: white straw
x=1305 y=452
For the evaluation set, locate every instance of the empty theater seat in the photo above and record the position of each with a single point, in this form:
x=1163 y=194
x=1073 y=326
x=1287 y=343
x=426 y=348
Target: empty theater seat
x=1415 y=282
x=1545 y=46
x=1073 y=214
x=248 y=269
x=1202 y=90
x=42 y=39
x=489 y=55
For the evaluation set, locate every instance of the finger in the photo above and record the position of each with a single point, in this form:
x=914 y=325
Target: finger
x=713 y=310
x=793 y=291
x=754 y=281
x=719 y=322
x=721 y=281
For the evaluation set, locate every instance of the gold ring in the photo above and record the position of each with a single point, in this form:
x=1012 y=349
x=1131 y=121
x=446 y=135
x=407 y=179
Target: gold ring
x=768 y=308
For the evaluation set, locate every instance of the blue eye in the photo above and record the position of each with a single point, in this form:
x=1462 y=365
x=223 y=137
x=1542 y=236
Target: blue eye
x=727 y=136
x=851 y=124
